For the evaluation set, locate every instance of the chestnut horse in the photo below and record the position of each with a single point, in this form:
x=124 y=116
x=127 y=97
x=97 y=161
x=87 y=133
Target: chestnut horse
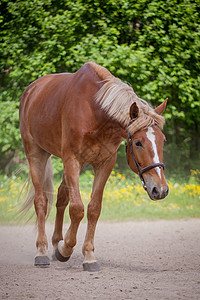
x=82 y=118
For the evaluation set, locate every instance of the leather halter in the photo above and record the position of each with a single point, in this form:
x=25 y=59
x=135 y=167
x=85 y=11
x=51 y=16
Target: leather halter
x=140 y=170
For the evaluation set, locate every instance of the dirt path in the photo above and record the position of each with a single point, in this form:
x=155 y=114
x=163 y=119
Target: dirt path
x=138 y=260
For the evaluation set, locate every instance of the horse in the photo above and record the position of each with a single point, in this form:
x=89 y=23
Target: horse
x=83 y=117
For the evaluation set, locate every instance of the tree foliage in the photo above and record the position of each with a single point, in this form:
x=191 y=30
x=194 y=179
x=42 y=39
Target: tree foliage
x=152 y=44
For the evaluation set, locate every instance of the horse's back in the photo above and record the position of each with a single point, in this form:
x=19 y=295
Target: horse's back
x=56 y=89
x=42 y=90
x=59 y=102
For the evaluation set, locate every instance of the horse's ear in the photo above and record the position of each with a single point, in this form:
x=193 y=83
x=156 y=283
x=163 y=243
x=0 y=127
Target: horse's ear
x=160 y=109
x=134 y=111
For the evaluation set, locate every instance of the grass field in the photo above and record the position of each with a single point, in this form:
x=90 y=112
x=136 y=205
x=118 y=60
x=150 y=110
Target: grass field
x=124 y=199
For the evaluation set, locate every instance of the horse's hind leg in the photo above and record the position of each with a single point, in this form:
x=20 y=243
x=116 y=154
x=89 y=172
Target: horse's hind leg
x=62 y=201
x=94 y=209
x=37 y=163
x=76 y=208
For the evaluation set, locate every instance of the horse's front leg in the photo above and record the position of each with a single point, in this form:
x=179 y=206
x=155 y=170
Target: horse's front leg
x=76 y=209
x=94 y=209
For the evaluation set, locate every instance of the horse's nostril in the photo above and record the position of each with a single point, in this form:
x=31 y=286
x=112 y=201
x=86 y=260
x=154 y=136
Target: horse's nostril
x=155 y=192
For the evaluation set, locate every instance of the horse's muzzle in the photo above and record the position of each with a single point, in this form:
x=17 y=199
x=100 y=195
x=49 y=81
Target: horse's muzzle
x=158 y=193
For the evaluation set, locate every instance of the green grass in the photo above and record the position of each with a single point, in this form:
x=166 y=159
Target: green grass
x=124 y=199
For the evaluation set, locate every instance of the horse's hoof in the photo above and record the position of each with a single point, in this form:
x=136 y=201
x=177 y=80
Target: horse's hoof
x=42 y=261
x=60 y=257
x=91 y=267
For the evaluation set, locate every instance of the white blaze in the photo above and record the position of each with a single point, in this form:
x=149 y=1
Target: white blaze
x=151 y=137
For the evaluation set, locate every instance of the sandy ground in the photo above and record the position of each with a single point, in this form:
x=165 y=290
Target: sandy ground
x=138 y=260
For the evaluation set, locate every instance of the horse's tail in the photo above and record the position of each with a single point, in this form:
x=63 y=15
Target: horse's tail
x=48 y=191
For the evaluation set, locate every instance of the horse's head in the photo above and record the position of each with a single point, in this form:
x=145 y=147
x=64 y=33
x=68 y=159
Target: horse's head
x=145 y=155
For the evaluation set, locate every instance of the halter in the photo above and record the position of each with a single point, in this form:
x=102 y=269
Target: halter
x=140 y=170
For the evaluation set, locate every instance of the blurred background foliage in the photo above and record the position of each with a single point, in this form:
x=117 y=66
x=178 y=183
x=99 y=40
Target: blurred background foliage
x=152 y=44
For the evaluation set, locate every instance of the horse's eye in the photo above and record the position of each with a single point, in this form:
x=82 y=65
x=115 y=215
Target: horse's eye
x=138 y=144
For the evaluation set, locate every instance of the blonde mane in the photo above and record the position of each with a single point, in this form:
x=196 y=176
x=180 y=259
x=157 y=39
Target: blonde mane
x=115 y=97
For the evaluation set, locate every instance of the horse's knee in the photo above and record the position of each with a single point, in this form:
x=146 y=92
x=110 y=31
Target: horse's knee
x=76 y=211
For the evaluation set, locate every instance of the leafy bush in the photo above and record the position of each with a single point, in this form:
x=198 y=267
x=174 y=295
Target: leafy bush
x=153 y=45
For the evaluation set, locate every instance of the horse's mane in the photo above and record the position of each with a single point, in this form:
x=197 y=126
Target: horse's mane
x=115 y=98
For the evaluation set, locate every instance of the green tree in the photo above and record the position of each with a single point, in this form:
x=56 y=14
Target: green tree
x=152 y=44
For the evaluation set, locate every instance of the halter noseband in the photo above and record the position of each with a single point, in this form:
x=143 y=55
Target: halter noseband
x=140 y=170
